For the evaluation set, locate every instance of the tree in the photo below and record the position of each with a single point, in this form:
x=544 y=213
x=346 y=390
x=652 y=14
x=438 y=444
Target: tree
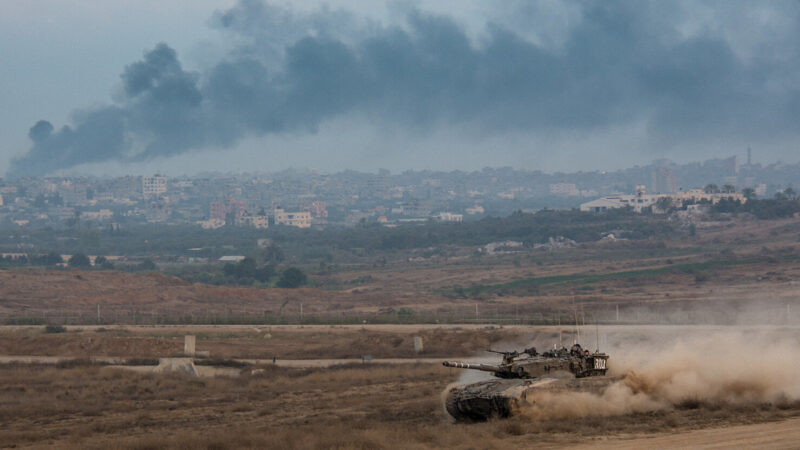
x=790 y=193
x=264 y=273
x=103 y=262
x=79 y=260
x=148 y=266
x=73 y=221
x=246 y=268
x=729 y=189
x=664 y=204
x=292 y=278
x=53 y=259
x=273 y=254
x=711 y=189
x=749 y=193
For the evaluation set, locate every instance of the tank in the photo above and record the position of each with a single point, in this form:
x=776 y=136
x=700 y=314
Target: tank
x=518 y=374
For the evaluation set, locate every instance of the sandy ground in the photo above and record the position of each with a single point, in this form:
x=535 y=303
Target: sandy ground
x=777 y=435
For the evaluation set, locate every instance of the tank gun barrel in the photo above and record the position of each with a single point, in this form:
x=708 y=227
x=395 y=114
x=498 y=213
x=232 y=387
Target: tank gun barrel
x=463 y=365
x=502 y=353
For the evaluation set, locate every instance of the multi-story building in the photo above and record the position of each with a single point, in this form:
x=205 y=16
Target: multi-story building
x=222 y=210
x=299 y=219
x=261 y=222
x=663 y=181
x=154 y=186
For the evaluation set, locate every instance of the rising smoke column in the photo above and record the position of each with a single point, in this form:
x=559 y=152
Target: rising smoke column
x=623 y=62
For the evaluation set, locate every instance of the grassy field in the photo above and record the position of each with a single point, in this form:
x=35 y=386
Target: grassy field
x=360 y=407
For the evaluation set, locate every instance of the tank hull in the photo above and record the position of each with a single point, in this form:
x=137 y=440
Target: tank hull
x=503 y=397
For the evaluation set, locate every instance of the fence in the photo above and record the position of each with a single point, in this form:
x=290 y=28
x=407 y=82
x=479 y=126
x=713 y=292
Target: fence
x=504 y=314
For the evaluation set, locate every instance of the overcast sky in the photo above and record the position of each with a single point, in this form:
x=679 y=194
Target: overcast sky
x=183 y=86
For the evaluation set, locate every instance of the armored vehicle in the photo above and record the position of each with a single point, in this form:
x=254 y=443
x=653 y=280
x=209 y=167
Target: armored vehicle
x=518 y=374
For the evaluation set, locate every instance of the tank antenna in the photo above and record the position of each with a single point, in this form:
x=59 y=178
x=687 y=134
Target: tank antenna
x=597 y=334
x=577 y=328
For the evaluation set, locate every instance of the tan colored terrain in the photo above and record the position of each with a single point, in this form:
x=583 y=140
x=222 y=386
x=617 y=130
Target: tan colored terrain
x=348 y=407
x=766 y=269
x=775 y=435
x=732 y=386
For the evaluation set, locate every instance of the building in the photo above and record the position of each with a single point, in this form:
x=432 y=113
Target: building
x=318 y=209
x=642 y=200
x=567 y=189
x=450 y=217
x=227 y=209
x=154 y=186
x=663 y=181
x=299 y=219
x=355 y=217
x=414 y=208
x=261 y=222
x=158 y=211
x=103 y=214
x=211 y=224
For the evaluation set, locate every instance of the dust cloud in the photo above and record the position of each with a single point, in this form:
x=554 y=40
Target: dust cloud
x=708 y=368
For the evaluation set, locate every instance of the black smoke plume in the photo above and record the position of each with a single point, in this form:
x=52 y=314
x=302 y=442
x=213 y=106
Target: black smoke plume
x=623 y=62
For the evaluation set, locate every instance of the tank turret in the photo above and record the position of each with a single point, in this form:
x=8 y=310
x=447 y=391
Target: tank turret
x=530 y=364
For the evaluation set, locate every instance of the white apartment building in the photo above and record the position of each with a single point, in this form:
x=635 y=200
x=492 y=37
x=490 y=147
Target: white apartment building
x=299 y=219
x=154 y=186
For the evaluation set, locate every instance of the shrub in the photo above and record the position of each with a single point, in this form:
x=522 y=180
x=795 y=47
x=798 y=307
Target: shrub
x=292 y=278
x=700 y=277
x=148 y=265
x=55 y=329
x=79 y=260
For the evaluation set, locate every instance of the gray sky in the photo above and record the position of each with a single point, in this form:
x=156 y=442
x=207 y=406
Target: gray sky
x=184 y=86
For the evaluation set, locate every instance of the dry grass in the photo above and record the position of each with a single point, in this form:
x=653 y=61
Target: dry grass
x=251 y=343
x=356 y=407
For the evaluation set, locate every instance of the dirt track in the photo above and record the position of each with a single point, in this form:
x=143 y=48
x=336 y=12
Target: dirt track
x=784 y=434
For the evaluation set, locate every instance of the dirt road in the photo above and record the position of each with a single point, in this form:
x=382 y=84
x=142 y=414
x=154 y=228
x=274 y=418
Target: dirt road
x=774 y=435
x=295 y=363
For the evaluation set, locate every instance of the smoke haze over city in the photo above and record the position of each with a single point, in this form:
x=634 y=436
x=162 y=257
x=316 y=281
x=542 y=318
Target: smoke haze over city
x=454 y=85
